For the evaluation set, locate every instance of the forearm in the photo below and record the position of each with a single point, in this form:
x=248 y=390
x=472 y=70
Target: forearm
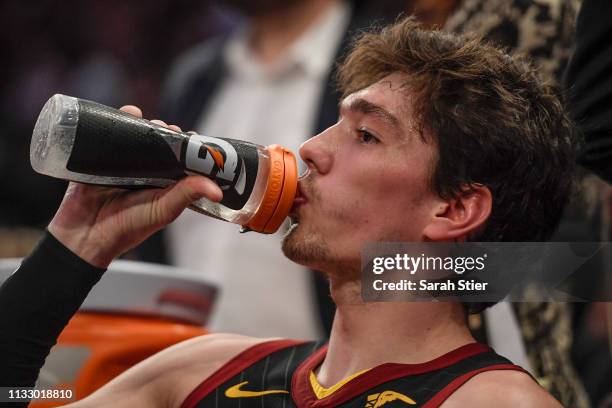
x=36 y=303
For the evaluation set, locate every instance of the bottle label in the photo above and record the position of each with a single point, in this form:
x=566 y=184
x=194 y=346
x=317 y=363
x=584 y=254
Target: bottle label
x=232 y=164
x=113 y=144
x=116 y=148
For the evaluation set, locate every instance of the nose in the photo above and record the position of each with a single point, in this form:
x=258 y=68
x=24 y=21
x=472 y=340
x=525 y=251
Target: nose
x=317 y=152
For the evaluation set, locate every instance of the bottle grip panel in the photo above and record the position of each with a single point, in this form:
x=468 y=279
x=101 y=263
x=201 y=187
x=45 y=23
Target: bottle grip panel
x=113 y=143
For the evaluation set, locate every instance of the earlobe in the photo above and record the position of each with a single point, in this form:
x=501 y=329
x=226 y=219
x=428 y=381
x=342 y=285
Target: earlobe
x=459 y=217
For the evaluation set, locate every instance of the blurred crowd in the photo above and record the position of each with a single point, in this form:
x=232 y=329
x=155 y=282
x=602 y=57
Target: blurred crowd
x=113 y=52
x=118 y=52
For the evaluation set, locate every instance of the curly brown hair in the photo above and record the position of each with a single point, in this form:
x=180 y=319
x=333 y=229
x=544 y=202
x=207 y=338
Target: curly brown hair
x=494 y=121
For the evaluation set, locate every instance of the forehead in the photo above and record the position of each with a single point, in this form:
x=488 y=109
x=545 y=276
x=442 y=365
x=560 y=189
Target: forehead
x=390 y=94
x=412 y=145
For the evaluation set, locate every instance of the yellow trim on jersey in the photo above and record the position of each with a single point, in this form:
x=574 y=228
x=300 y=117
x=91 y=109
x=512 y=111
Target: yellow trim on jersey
x=322 y=392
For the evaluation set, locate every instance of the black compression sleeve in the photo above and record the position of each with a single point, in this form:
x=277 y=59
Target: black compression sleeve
x=36 y=303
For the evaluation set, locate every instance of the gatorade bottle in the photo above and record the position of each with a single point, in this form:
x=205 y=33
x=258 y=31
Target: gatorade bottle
x=79 y=140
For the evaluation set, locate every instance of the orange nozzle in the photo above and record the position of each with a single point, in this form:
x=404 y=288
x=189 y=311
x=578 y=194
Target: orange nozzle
x=280 y=192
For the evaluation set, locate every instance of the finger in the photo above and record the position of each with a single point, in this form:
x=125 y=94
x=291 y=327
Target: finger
x=159 y=122
x=132 y=110
x=184 y=193
x=164 y=124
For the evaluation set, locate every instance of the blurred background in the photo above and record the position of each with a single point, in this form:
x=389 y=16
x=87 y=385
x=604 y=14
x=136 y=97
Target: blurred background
x=113 y=52
x=123 y=52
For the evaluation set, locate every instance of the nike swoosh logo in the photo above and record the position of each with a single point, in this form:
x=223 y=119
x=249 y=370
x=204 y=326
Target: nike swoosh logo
x=235 y=392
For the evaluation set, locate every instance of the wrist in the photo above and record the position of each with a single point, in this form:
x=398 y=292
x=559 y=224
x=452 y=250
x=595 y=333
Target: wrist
x=81 y=243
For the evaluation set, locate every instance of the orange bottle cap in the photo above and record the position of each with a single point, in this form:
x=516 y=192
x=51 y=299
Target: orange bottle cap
x=280 y=192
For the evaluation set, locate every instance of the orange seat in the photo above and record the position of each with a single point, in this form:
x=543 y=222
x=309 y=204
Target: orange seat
x=96 y=347
x=134 y=311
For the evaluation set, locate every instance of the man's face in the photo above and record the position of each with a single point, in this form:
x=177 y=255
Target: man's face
x=369 y=181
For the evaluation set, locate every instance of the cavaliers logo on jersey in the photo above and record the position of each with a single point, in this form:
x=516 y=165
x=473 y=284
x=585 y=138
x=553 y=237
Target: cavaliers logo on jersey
x=381 y=398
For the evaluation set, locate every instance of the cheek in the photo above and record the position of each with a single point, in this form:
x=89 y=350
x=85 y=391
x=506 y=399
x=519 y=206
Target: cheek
x=397 y=202
x=373 y=193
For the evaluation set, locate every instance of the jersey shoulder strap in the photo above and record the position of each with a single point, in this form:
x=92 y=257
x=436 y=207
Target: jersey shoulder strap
x=298 y=349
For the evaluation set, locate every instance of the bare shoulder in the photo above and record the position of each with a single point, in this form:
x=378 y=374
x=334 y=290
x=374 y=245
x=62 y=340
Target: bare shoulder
x=202 y=351
x=167 y=378
x=501 y=388
x=179 y=369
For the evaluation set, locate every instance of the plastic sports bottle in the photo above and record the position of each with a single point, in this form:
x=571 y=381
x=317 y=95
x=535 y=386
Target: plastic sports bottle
x=79 y=140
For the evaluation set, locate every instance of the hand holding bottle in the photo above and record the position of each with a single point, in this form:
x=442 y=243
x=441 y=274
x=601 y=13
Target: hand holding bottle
x=83 y=141
x=100 y=223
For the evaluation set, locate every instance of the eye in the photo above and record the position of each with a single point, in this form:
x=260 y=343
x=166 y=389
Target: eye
x=366 y=137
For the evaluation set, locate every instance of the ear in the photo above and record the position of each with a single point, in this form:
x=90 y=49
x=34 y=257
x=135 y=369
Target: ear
x=460 y=216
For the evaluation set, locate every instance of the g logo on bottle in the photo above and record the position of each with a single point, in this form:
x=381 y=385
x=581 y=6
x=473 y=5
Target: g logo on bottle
x=217 y=159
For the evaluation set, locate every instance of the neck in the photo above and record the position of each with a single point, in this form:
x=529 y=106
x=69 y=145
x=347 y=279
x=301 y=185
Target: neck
x=365 y=335
x=273 y=33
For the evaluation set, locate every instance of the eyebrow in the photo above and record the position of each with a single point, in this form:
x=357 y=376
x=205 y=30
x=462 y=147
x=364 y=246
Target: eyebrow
x=366 y=107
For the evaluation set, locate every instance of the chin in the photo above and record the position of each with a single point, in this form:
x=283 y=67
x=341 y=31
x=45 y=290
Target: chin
x=311 y=250
x=303 y=247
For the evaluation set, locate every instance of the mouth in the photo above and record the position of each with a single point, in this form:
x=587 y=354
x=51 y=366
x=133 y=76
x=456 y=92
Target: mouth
x=299 y=200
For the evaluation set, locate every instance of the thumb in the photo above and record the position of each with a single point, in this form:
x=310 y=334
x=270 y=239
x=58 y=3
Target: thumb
x=177 y=197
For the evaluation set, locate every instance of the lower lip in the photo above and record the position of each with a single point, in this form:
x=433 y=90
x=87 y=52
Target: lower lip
x=298 y=202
